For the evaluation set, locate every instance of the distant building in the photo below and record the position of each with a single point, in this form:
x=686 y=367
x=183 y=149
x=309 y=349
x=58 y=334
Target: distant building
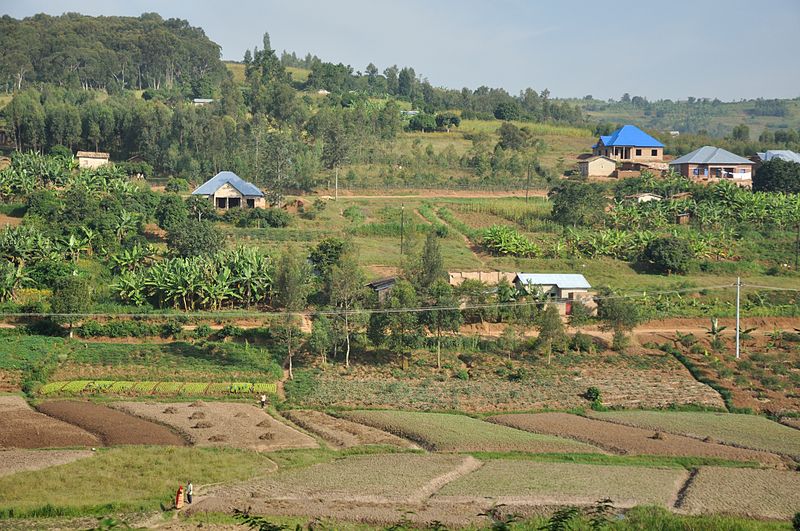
x=382 y=287
x=92 y=159
x=782 y=154
x=199 y=102
x=409 y=113
x=629 y=144
x=597 y=166
x=323 y=92
x=673 y=134
x=491 y=277
x=644 y=197
x=227 y=190
x=561 y=289
x=710 y=163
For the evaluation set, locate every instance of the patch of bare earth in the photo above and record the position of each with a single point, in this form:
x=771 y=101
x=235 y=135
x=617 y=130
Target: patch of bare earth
x=342 y=433
x=9 y=381
x=22 y=427
x=743 y=492
x=628 y=440
x=222 y=424
x=13 y=460
x=110 y=425
x=791 y=422
x=375 y=489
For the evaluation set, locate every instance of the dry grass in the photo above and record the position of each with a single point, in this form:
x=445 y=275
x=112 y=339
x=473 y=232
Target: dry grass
x=743 y=492
x=747 y=431
x=13 y=461
x=447 y=432
x=510 y=481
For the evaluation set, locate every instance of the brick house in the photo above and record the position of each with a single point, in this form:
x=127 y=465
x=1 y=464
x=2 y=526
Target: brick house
x=629 y=144
x=92 y=159
x=597 y=166
x=712 y=164
x=227 y=190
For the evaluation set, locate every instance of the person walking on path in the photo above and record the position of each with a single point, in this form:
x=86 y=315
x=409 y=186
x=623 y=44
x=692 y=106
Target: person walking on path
x=179 y=498
x=189 y=491
x=263 y=401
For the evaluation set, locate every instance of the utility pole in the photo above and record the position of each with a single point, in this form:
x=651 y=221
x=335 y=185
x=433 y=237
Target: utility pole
x=402 y=225
x=738 y=294
x=336 y=183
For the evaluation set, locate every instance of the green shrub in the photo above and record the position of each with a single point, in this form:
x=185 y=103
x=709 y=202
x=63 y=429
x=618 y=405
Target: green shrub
x=202 y=331
x=581 y=343
x=592 y=394
x=461 y=374
x=354 y=214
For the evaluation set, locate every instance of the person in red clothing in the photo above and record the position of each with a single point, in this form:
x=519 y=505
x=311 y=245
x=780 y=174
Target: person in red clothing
x=179 y=497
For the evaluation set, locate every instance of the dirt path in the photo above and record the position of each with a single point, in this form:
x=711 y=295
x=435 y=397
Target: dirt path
x=433 y=194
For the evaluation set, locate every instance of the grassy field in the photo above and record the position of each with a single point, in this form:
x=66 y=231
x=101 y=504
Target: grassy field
x=755 y=493
x=178 y=361
x=144 y=388
x=567 y=484
x=748 y=431
x=129 y=479
x=447 y=432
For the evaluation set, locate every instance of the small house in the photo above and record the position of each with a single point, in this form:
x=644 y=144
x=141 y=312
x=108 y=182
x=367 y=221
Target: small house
x=629 y=144
x=323 y=92
x=597 y=166
x=491 y=277
x=199 y=102
x=382 y=287
x=644 y=197
x=92 y=159
x=227 y=190
x=710 y=163
x=561 y=289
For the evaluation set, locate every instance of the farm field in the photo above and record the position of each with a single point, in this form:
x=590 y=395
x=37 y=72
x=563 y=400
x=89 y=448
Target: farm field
x=748 y=431
x=512 y=482
x=221 y=424
x=651 y=380
x=125 y=479
x=445 y=432
x=22 y=427
x=342 y=433
x=111 y=426
x=160 y=389
x=14 y=460
x=627 y=440
x=753 y=493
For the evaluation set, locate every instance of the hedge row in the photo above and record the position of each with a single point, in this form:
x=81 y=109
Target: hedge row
x=133 y=388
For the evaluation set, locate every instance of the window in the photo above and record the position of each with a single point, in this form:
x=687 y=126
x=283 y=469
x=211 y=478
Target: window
x=234 y=202
x=251 y=203
x=638 y=152
x=696 y=171
x=742 y=170
x=653 y=152
x=221 y=203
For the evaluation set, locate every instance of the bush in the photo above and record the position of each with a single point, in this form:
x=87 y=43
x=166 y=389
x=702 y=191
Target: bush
x=581 y=343
x=202 y=331
x=666 y=256
x=176 y=184
x=354 y=214
x=592 y=394
x=461 y=374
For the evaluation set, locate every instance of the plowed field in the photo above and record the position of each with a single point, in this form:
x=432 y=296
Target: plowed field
x=222 y=424
x=22 y=427
x=342 y=433
x=627 y=439
x=110 y=425
x=13 y=461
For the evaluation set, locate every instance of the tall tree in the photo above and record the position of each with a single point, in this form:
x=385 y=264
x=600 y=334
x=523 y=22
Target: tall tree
x=347 y=294
x=398 y=328
x=292 y=287
x=445 y=318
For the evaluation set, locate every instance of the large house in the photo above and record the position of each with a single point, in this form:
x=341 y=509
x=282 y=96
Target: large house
x=629 y=144
x=710 y=163
x=228 y=190
x=782 y=154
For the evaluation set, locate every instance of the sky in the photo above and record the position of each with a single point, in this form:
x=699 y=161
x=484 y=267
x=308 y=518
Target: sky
x=728 y=49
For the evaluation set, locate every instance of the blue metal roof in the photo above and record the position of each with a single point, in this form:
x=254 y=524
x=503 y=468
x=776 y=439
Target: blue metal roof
x=630 y=135
x=562 y=280
x=228 y=177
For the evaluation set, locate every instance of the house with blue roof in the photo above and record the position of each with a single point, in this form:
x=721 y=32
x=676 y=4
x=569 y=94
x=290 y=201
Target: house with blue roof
x=629 y=144
x=227 y=190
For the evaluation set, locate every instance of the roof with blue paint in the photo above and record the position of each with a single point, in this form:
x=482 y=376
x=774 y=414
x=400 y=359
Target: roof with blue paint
x=629 y=135
x=228 y=177
x=562 y=280
x=710 y=155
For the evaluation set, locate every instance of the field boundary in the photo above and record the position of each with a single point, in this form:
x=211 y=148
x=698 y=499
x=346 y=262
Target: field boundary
x=681 y=495
x=154 y=388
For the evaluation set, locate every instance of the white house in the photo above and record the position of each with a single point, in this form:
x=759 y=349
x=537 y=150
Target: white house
x=561 y=289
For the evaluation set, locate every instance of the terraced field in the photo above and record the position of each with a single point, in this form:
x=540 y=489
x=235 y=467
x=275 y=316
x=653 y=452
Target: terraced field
x=747 y=431
x=22 y=427
x=743 y=492
x=448 y=432
x=342 y=433
x=13 y=461
x=628 y=440
x=520 y=482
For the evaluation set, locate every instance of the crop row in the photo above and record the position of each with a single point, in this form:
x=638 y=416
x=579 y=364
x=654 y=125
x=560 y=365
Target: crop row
x=74 y=387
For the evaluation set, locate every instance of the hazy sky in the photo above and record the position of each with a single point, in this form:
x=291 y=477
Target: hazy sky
x=729 y=49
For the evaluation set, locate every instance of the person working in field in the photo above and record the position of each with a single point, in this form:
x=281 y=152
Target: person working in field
x=189 y=491
x=263 y=401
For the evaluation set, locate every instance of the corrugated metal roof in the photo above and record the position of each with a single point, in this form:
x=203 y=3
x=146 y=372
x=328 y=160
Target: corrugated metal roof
x=710 y=155
x=630 y=135
x=562 y=280
x=228 y=177
x=783 y=154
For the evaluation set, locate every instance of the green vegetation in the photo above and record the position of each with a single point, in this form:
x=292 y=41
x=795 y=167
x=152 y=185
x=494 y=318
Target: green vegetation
x=748 y=431
x=123 y=479
x=129 y=388
x=449 y=432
